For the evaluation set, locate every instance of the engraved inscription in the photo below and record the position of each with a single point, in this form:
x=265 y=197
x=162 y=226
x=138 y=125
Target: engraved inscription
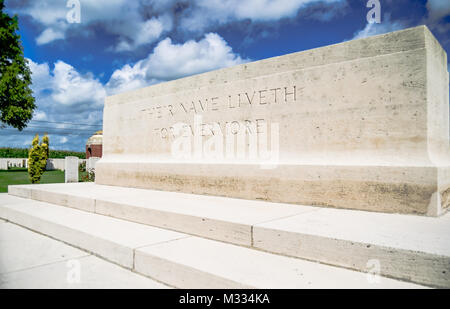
x=253 y=98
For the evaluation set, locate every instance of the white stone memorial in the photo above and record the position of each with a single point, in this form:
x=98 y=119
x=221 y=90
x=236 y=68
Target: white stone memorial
x=71 y=169
x=361 y=125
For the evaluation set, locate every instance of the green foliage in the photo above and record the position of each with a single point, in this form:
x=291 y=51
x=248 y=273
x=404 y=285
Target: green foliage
x=13 y=153
x=61 y=154
x=53 y=154
x=37 y=159
x=46 y=142
x=82 y=167
x=16 y=99
x=87 y=176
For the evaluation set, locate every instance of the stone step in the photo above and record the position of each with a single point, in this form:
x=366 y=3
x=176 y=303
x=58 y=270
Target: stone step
x=46 y=263
x=178 y=259
x=411 y=248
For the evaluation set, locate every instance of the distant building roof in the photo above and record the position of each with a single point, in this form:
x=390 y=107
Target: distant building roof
x=96 y=139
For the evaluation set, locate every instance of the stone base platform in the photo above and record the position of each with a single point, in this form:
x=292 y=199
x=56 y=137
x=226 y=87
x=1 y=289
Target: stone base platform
x=421 y=190
x=187 y=240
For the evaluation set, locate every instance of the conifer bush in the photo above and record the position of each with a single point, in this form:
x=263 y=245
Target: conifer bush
x=37 y=158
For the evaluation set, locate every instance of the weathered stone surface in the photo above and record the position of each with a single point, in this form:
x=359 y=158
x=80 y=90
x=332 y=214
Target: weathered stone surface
x=90 y=163
x=362 y=125
x=177 y=259
x=71 y=169
x=56 y=164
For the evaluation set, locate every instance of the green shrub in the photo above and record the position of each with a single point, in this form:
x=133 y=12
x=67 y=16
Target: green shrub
x=46 y=142
x=82 y=167
x=88 y=176
x=37 y=158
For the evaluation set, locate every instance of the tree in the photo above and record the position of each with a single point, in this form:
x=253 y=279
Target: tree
x=37 y=158
x=16 y=99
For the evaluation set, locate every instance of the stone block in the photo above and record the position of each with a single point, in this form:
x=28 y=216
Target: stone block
x=361 y=125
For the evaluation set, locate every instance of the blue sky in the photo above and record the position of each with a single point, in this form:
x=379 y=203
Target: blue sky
x=121 y=45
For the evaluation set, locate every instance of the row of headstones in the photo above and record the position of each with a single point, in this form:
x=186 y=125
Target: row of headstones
x=52 y=164
x=71 y=167
x=7 y=163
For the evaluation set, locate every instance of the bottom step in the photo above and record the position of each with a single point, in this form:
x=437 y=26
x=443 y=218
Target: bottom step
x=178 y=259
x=46 y=263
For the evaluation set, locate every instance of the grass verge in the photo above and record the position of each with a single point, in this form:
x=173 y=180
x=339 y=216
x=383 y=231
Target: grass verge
x=19 y=176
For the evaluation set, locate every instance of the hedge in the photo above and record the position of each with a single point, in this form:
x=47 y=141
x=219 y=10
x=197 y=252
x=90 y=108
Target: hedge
x=7 y=152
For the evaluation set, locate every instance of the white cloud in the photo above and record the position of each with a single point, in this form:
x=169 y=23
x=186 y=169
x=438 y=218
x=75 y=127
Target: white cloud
x=137 y=23
x=62 y=95
x=127 y=78
x=47 y=13
x=146 y=32
x=118 y=17
x=51 y=12
x=170 y=61
x=385 y=26
x=72 y=88
x=152 y=29
x=49 y=35
x=40 y=76
x=204 y=13
x=39 y=115
x=438 y=9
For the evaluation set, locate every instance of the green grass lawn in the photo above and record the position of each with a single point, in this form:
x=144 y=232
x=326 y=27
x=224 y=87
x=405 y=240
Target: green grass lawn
x=19 y=176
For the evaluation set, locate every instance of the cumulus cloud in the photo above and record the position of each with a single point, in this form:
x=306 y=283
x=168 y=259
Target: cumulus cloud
x=40 y=76
x=204 y=13
x=63 y=89
x=170 y=61
x=122 y=18
x=146 y=32
x=138 y=23
x=63 y=95
x=128 y=78
x=70 y=88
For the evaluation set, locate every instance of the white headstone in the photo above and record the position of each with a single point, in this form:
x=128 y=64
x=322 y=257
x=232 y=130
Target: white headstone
x=71 y=169
x=3 y=164
x=90 y=163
